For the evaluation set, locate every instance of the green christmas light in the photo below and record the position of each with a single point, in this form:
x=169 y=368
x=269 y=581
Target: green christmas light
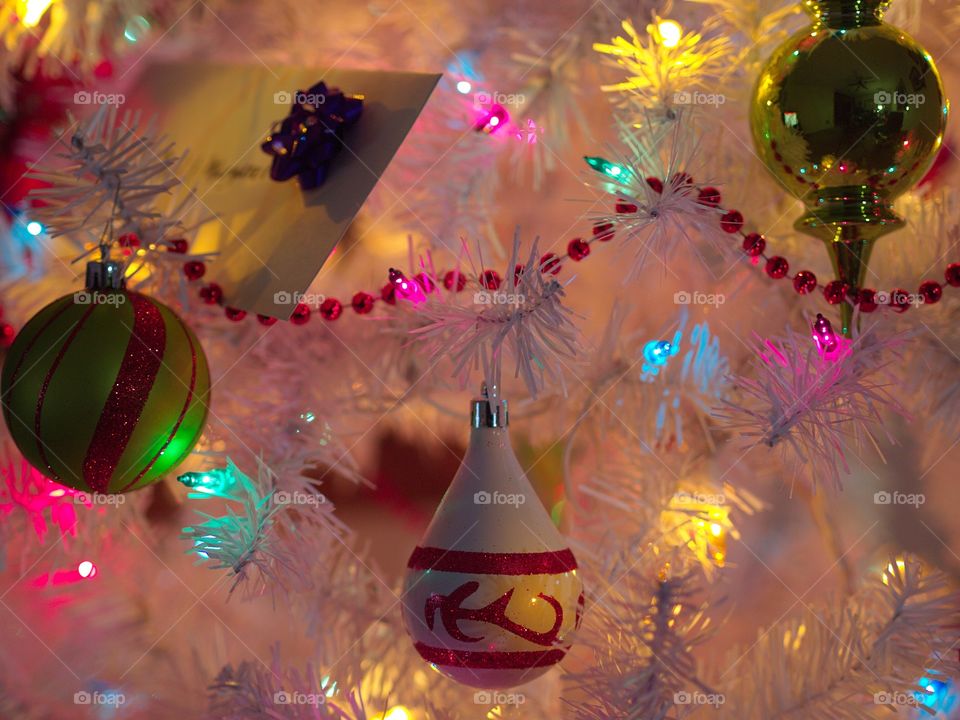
x=606 y=167
x=213 y=482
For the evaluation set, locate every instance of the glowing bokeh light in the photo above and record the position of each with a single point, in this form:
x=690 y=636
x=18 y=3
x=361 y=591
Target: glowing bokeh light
x=463 y=87
x=670 y=33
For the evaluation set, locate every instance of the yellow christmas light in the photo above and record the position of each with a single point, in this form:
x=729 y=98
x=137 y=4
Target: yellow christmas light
x=31 y=12
x=670 y=33
x=397 y=712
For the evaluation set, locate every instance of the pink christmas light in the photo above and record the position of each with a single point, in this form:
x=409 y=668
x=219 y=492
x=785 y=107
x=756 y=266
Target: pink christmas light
x=406 y=288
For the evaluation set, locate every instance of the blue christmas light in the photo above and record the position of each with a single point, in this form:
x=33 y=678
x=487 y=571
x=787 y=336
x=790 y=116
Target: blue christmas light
x=938 y=695
x=34 y=228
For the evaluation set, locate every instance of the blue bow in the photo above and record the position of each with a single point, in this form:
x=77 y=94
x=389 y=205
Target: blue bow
x=311 y=136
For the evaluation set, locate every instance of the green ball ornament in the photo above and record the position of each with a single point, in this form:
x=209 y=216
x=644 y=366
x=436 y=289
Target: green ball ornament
x=105 y=391
x=848 y=114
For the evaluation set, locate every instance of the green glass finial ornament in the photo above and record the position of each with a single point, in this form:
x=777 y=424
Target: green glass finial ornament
x=848 y=114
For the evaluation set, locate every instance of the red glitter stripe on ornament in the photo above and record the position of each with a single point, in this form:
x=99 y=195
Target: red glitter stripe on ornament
x=183 y=413
x=481 y=563
x=46 y=385
x=33 y=340
x=121 y=414
x=480 y=660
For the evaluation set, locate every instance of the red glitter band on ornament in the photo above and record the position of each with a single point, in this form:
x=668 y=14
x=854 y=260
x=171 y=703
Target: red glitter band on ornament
x=138 y=371
x=46 y=385
x=479 y=660
x=183 y=413
x=33 y=341
x=482 y=563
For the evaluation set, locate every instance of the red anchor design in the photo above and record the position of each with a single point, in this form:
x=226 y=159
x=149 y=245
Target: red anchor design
x=452 y=612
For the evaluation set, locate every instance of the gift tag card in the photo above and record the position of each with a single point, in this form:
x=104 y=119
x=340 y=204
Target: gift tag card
x=273 y=237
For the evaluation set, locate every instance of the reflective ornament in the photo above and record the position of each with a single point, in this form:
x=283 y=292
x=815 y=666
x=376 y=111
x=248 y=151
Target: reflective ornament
x=848 y=114
x=105 y=391
x=492 y=591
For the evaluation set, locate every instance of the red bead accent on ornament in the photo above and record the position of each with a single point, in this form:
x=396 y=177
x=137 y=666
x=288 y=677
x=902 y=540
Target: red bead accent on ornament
x=129 y=240
x=301 y=314
x=577 y=249
x=900 y=299
x=709 y=196
x=603 y=232
x=777 y=267
x=453 y=276
x=731 y=221
x=362 y=303
x=179 y=245
x=424 y=281
x=211 y=294
x=388 y=293
x=490 y=279
x=655 y=184
x=550 y=263
x=953 y=274
x=194 y=270
x=330 y=309
x=835 y=291
x=754 y=244
x=266 y=320
x=234 y=314
x=931 y=291
x=805 y=282
x=7 y=334
x=623 y=207
x=867 y=300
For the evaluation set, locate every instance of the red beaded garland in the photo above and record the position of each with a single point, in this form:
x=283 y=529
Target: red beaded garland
x=835 y=292
x=623 y=207
x=194 y=270
x=931 y=291
x=330 y=309
x=550 y=263
x=454 y=276
x=577 y=249
x=388 y=293
x=754 y=244
x=731 y=221
x=234 y=314
x=952 y=274
x=709 y=196
x=777 y=267
x=603 y=232
x=301 y=314
x=655 y=184
x=490 y=279
x=7 y=334
x=424 y=281
x=867 y=300
x=362 y=303
x=178 y=245
x=211 y=294
x=900 y=299
x=805 y=282
x=129 y=240
x=266 y=320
